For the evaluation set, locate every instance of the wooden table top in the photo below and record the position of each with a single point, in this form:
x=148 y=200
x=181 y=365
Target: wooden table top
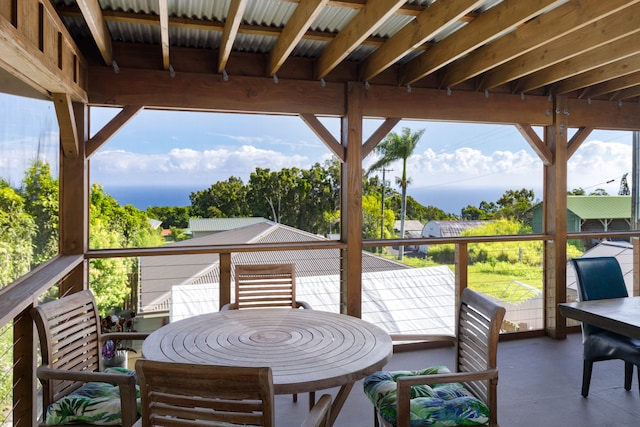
x=307 y=350
x=621 y=315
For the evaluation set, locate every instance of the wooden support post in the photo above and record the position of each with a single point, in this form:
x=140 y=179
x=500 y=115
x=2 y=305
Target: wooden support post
x=351 y=203
x=555 y=221
x=462 y=270
x=74 y=205
x=25 y=398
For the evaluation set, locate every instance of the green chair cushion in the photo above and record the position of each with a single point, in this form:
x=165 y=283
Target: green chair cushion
x=438 y=405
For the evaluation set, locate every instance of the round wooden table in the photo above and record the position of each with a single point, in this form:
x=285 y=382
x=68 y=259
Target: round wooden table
x=307 y=350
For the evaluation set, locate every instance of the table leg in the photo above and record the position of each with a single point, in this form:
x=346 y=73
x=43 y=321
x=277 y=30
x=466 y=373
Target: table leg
x=338 y=402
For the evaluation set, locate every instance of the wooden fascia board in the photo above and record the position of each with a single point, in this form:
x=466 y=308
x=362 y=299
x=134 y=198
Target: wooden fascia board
x=66 y=123
x=537 y=144
x=210 y=92
x=110 y=129
x=325 y=136
x=92 y=14
x=26 y=62
x=603 y=114
x=374 y=13
x=377 y=136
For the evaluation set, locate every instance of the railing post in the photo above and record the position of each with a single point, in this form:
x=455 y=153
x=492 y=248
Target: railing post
x=225 y=279
x=25 y=405
x=635 y=241
x=462 y=271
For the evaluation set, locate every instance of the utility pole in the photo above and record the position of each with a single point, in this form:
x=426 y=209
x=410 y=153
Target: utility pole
x=384 y=188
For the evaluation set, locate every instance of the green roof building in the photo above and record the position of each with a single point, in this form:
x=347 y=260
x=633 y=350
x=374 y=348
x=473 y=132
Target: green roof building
x=592 y=213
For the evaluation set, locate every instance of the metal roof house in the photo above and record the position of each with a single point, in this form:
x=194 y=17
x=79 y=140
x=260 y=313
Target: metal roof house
x=447 y=228
x=592 y=213
x=202 y=226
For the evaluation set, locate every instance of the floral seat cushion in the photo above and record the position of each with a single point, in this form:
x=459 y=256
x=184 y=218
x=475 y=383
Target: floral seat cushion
x=437 y=405
x=93 y=403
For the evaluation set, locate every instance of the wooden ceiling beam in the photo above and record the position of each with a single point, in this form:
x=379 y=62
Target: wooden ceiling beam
x=302 y=18
x=92 y=14
x=230 y=32
x=599 y=33
x=631 y=92
x=163 y=11
x=417 y=32
x=556 y=23
x=497 y=21
x=613 y=86
x=590 y=60
x=372 y=15
x=600 y=75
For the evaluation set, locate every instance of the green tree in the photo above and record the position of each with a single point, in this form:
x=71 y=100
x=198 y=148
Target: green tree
x=171 y=216
x=372 y=218
x=224 y=199
x=398 y=147
x=516 y=205
x=40 y=192
x=17 y=231
x=576 y=192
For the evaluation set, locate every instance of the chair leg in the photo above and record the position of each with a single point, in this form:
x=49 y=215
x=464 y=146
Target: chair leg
x=376 y=423
x=587 y=367
x=312 y=399
x=628 y=375
x=638 y=370
x=295 y=397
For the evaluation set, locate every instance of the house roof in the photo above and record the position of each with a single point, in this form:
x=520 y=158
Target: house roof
x=409 y=225
x=158 y=274
x=454 y=228
x=600 y=207
x=221 y=224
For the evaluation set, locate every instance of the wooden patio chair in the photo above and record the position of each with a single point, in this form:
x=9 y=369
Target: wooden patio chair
x=265 y=286
x=476 y=375
x=70 y=346
x=184 y=394
x=601 y=278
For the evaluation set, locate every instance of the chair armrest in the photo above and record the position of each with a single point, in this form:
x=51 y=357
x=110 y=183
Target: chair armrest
x=318 y=415
x=126 y=383
x=303 y=304
x=404 y=385
x=230 y=306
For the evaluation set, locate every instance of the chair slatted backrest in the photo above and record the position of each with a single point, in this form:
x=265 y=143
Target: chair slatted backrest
x=478 y=331
x=69 y=331
x=182 y=394
x=265 y=285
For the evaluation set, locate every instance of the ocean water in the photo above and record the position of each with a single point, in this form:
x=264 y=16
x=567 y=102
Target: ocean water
x=449 y=200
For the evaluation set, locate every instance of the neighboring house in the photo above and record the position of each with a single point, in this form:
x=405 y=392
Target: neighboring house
x=395 y=296
x=203 y=226
x=592 y=213
x=447 y=228
x=412 y=229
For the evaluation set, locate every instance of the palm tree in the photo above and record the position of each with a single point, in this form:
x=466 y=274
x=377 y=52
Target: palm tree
x=395 y=147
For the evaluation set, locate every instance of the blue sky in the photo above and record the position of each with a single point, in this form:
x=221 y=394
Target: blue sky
x=197 y=149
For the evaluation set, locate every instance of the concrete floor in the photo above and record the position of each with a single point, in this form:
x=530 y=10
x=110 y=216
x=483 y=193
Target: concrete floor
x=540 y=381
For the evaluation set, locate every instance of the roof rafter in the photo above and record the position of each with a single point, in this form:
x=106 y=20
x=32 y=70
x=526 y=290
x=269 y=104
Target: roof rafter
x=304 y=15
x=374 y=13
x=587 y=38
x=546 y=28
x=627 y=65
x=497 y=21
x=98 y=28
x=230 y=32
x=587 y=61
x=417 y=32
x=613 y=85
x=164 y=32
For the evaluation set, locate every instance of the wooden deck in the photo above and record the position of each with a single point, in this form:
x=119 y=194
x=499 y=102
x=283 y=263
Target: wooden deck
x=539 y=386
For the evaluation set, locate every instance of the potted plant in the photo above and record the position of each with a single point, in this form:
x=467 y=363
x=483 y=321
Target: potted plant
x=115 y=352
